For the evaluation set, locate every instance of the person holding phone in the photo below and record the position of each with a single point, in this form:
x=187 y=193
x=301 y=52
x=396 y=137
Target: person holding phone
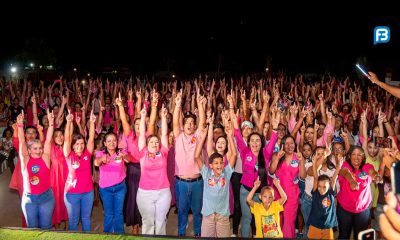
x=390 y=220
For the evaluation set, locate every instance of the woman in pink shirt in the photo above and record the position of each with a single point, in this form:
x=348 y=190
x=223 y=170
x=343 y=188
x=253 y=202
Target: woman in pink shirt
x=154 y=195
x=37 y=200
x=288 y=165
x=112 y=183
x=354 y=197
x=79 y=186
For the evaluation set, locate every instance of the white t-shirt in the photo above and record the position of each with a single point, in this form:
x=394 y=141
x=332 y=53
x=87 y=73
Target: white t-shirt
x=310 y=179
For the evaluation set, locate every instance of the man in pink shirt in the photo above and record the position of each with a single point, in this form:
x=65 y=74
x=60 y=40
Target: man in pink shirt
x=188 y=181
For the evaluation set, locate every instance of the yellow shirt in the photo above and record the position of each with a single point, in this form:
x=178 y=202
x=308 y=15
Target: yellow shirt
x=374 y=188
x=267 y=222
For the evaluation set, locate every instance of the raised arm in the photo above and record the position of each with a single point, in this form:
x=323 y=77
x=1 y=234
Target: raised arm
x=164 y=127
x=34 y=110
x=210 y=135
x=177 y=111
x=395 y=91
x=153 y=114
x=201 y=103
x=23 y=150
x=125 y=124
x=67 y=134
x=249 y=198
x=142 y=129
x=90 y=143
x=199 y=148
x=60 y=115
x=49 y=136
x=232 y=151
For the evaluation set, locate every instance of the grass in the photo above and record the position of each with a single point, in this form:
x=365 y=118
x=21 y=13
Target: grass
x=18 y=233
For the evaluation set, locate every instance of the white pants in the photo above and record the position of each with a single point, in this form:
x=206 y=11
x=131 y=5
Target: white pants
x=153 y=206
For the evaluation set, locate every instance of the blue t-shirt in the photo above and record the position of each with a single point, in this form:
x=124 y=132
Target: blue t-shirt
x=323 y=210
x=216 y=191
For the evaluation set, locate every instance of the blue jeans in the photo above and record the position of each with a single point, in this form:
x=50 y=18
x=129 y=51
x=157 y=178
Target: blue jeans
x=113 y=202
x=38 y=209
x=306 y=204
x=79 y=205
x=190 y=196
x=246 y=214
x=351 y=221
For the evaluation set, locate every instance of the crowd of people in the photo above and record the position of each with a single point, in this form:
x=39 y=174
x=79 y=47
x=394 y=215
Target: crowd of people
x=266 y=157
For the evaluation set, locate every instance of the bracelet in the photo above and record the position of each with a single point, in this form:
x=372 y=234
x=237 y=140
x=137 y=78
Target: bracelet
x=20 y=125
x=385 y=122
x=51 y=125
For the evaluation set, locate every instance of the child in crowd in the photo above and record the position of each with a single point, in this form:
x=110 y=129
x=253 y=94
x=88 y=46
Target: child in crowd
x=323 y=210
x=217 y=178
x=266 y=214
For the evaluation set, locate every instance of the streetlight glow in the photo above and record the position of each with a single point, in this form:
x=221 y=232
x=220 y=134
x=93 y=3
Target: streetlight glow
x=13 y=69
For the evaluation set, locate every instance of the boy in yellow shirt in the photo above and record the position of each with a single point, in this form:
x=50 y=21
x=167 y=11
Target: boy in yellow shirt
x=266 y=214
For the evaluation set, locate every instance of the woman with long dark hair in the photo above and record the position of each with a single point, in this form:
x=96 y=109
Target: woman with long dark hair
x=255 y=161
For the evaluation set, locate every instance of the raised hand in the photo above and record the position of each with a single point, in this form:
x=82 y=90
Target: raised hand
x=20 y=118
x=92 y=117
x=143 y=113
x=50 y=117
x=69 y=117
x=257 y=183
x=164 y=112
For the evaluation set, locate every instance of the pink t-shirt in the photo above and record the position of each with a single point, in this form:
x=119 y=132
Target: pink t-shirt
x=36 y=176
x=108 y=117
x=153 y=169
x=184 y=155
x=356 y=201
x=79 y=173
x=249 y=160
x=113 y=172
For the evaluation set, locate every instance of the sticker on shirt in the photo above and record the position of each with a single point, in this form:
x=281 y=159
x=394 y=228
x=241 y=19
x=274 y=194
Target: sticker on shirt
x=35 y=169
x=269 y=226
x=193 y=140
x=158 y=154
x=85 y=158
x=362 y=175
x=35 y=180
x=294 y=163
x=212 y=182
x=151 y=155
x=118 y=159
x=249 y=158
x=326 y=202
x=75 y=165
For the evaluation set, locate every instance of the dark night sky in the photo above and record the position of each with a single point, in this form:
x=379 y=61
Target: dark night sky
x=192 y=37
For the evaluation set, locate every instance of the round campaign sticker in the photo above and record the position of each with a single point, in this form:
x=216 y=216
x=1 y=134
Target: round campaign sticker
x=158 y=154
x=75 y=165
x=35 y=168
x=362 y=175
x=249 y=158
x=294 y=163
x=117 y=159
x=35 y=180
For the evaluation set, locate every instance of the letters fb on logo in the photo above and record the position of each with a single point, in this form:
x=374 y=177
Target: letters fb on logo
x=381 y=34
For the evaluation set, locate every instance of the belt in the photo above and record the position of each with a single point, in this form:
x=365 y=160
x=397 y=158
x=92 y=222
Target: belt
x=189 y=179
